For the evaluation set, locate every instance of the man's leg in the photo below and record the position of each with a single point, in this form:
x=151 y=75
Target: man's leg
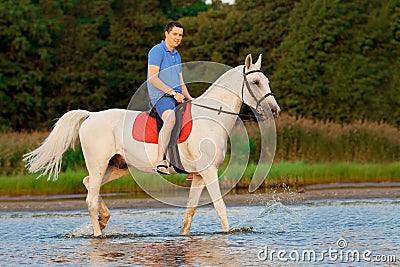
x=164 y=136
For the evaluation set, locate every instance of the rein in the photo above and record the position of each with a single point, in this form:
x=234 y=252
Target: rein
x=220 y=110
x=245 y=82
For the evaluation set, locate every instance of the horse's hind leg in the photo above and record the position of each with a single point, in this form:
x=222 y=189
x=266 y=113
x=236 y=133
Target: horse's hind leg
x=93 y=184
x=113 y=172
x=104 y=215
x=193 y=201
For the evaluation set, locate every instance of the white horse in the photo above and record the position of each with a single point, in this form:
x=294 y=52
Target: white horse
x=109 y=155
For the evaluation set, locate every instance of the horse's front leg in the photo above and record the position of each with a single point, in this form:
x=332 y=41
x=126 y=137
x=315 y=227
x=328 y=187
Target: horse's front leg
x=210 y=177
x=194 y=196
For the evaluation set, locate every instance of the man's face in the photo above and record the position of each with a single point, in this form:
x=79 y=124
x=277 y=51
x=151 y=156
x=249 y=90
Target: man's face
x=174 y=37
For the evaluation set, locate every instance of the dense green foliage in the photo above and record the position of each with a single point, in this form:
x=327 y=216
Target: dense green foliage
x=340 y=60
x=329 y=60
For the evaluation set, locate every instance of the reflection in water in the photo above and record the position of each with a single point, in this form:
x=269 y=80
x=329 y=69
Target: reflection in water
x=173 y=251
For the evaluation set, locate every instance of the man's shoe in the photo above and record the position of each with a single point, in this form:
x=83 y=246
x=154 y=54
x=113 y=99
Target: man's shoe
x=160 y=165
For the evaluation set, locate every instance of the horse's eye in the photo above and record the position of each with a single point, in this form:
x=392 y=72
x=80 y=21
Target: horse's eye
x=256 y=82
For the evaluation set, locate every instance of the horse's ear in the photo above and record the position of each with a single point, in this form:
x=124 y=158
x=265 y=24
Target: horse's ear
x=258 y=63
x=248 y=61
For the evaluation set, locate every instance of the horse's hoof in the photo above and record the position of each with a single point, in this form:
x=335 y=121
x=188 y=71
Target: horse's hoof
x=225 y=230
x=97 y=235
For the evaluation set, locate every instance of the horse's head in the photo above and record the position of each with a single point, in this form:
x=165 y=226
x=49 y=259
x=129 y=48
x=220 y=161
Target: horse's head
x=256 y=88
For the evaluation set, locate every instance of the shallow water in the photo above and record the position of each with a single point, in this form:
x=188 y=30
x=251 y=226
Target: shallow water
x=331 y=232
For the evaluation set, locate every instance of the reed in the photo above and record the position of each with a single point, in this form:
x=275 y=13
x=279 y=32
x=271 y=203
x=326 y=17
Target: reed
x=298 y=139
x=318 y=141
x=14 y=145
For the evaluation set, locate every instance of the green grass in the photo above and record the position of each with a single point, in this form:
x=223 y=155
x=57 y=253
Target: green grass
x=324 y=173
x=290 y=173
x=68 y=183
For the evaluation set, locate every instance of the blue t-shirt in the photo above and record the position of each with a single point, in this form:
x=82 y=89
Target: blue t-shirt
x=170 y=68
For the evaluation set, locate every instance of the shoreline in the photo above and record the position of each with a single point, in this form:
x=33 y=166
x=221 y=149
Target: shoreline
x=54 y=204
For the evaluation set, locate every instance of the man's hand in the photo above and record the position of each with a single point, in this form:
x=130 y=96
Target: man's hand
x=179 y=98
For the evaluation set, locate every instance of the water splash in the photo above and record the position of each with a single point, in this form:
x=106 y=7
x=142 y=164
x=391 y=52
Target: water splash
x=283 y=193
x=81 y=231
x=86 y=231
x=274 y=207
x=275 y=215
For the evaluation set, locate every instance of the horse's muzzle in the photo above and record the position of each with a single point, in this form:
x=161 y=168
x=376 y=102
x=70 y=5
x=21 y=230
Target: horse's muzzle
x=275 y=112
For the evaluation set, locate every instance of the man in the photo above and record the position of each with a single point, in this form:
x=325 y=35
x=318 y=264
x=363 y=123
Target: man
x=166 y=86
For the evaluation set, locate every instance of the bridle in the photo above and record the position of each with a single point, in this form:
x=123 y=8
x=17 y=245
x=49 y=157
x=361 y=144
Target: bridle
x=245 y=82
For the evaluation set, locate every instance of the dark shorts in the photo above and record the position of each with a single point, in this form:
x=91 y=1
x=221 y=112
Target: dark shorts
x=165 y=103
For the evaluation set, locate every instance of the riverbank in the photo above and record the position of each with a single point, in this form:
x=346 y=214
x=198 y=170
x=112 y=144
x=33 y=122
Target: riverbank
x=61 y=203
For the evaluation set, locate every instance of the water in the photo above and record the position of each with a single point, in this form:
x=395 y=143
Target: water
x=150 y=236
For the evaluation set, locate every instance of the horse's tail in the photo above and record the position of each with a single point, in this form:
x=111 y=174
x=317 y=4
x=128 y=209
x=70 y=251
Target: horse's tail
x=48 y=156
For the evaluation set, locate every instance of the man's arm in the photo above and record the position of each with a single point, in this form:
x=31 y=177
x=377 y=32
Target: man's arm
x=153 y=71
x=185 y=91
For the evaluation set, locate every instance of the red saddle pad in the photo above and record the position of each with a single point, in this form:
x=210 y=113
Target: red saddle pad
x=145 y=127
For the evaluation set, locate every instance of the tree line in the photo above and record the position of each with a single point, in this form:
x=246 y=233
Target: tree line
x=326 y=60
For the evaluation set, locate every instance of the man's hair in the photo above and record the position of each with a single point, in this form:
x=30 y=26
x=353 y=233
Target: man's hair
x=172 y=24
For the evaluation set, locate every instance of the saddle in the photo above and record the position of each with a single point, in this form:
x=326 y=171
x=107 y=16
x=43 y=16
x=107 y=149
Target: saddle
x=148 y=124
